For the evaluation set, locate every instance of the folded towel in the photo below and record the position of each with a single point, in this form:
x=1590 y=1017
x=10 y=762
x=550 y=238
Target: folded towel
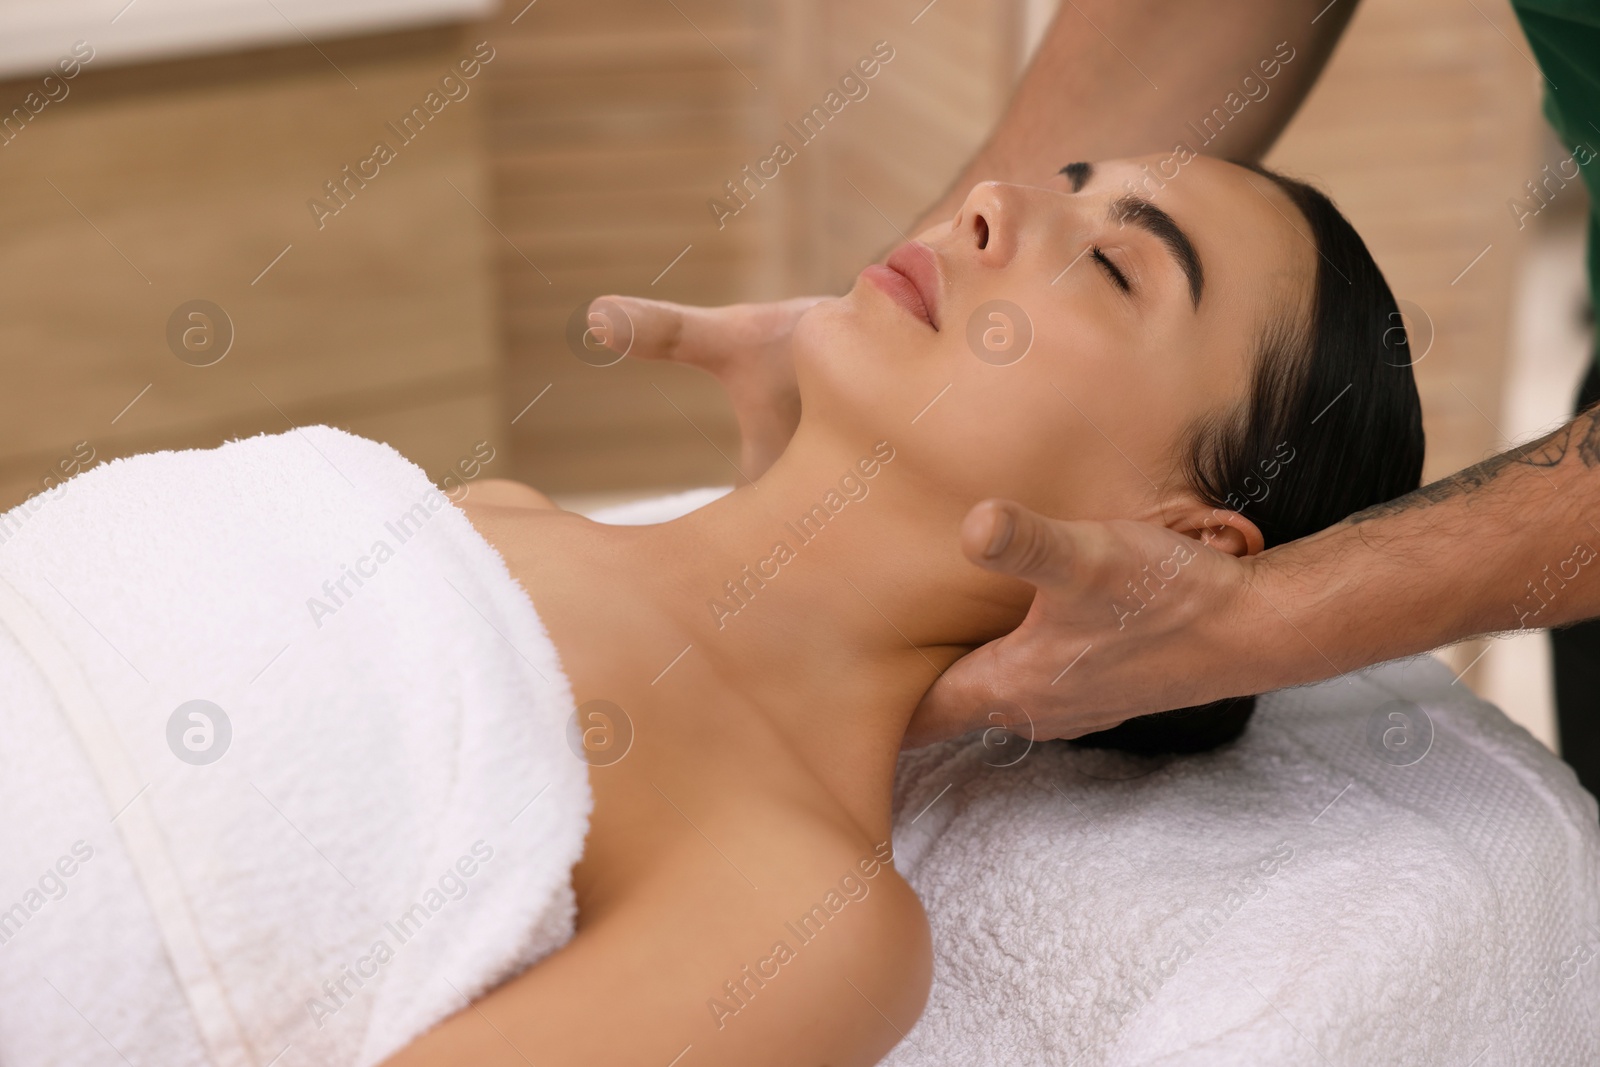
x=1313 y=894
x=284 y=772
x=1304 y=896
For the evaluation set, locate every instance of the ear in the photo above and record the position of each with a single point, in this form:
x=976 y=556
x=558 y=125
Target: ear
x=1220 y=528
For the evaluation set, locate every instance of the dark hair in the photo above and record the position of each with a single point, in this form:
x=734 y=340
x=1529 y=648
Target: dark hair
x=1332 y=424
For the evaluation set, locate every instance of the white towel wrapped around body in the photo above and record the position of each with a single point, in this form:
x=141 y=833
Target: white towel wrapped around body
x=1304 y=897
x=391 y=826
x=1300 y=897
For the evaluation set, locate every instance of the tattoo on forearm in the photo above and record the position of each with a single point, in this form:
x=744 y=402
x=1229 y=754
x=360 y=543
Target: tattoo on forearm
x=1589 y=447
x=1581 y=435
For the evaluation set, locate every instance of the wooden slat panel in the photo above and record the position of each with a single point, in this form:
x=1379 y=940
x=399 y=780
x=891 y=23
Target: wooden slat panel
x=615 y=122
x=151 y=186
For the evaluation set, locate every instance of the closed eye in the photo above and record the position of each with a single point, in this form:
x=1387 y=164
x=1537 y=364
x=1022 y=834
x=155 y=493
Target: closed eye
x=1117 y=277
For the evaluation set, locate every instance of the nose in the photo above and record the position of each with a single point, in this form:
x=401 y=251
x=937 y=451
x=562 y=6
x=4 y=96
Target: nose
x=987 y=222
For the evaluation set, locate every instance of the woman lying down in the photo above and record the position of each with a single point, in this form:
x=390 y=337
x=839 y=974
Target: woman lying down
x=397 y=844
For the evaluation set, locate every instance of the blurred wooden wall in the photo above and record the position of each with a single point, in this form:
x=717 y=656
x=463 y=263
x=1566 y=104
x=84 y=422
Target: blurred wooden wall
x=614 y=123
x=594 y=146
x=146 y=187
x=883 y=162
x=617 y=122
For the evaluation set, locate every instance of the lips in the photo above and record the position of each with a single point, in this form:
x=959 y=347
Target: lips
x=910 y=276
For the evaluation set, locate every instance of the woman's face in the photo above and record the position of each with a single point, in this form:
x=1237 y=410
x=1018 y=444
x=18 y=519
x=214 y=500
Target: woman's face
x=1073 y=331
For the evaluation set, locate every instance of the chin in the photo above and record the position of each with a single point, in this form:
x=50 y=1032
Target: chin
x=865 y=362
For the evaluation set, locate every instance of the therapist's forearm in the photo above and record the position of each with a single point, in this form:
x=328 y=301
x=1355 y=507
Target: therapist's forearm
x=1115 y=78
x=1512 y=543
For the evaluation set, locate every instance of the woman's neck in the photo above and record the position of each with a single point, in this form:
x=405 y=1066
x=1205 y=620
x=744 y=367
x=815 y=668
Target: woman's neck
x=827 y=597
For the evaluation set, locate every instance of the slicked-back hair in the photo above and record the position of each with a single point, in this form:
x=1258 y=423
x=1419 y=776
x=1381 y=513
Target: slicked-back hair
x=1332 y=389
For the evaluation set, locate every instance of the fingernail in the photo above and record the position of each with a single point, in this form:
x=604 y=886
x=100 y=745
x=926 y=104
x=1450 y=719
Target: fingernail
x=1003 y=529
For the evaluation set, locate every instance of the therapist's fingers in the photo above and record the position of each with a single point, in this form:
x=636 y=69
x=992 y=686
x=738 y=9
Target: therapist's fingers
x=1079 y=567
x=659 y=329
x=1006 y=684
x=1007 y=681
x=746 y=347
x=1122 y=613
x=981 y=684
x=1005 y=537
x=716 y=339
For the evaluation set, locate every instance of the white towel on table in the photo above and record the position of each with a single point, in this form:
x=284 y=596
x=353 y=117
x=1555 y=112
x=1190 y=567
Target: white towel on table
x=1301 y=898
x=1292 y=899
x=392 y=826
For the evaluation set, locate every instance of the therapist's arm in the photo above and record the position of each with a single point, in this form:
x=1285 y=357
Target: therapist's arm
x=1111 y=78
x=1511 y=543
x=1114 y=78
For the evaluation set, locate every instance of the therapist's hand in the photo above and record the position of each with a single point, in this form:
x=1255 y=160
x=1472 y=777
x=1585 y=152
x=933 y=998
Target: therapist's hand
x=1088 y=656
x=744 y=346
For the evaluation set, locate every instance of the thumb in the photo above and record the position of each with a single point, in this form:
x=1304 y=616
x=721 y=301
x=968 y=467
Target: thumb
x=655 y=329
x=1007 y=538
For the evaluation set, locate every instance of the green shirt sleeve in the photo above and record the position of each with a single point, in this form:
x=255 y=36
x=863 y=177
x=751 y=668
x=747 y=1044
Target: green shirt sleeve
x=1565 y=37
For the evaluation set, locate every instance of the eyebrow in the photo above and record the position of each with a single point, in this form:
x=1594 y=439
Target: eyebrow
x=1078 y=174
x=1137 y=211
